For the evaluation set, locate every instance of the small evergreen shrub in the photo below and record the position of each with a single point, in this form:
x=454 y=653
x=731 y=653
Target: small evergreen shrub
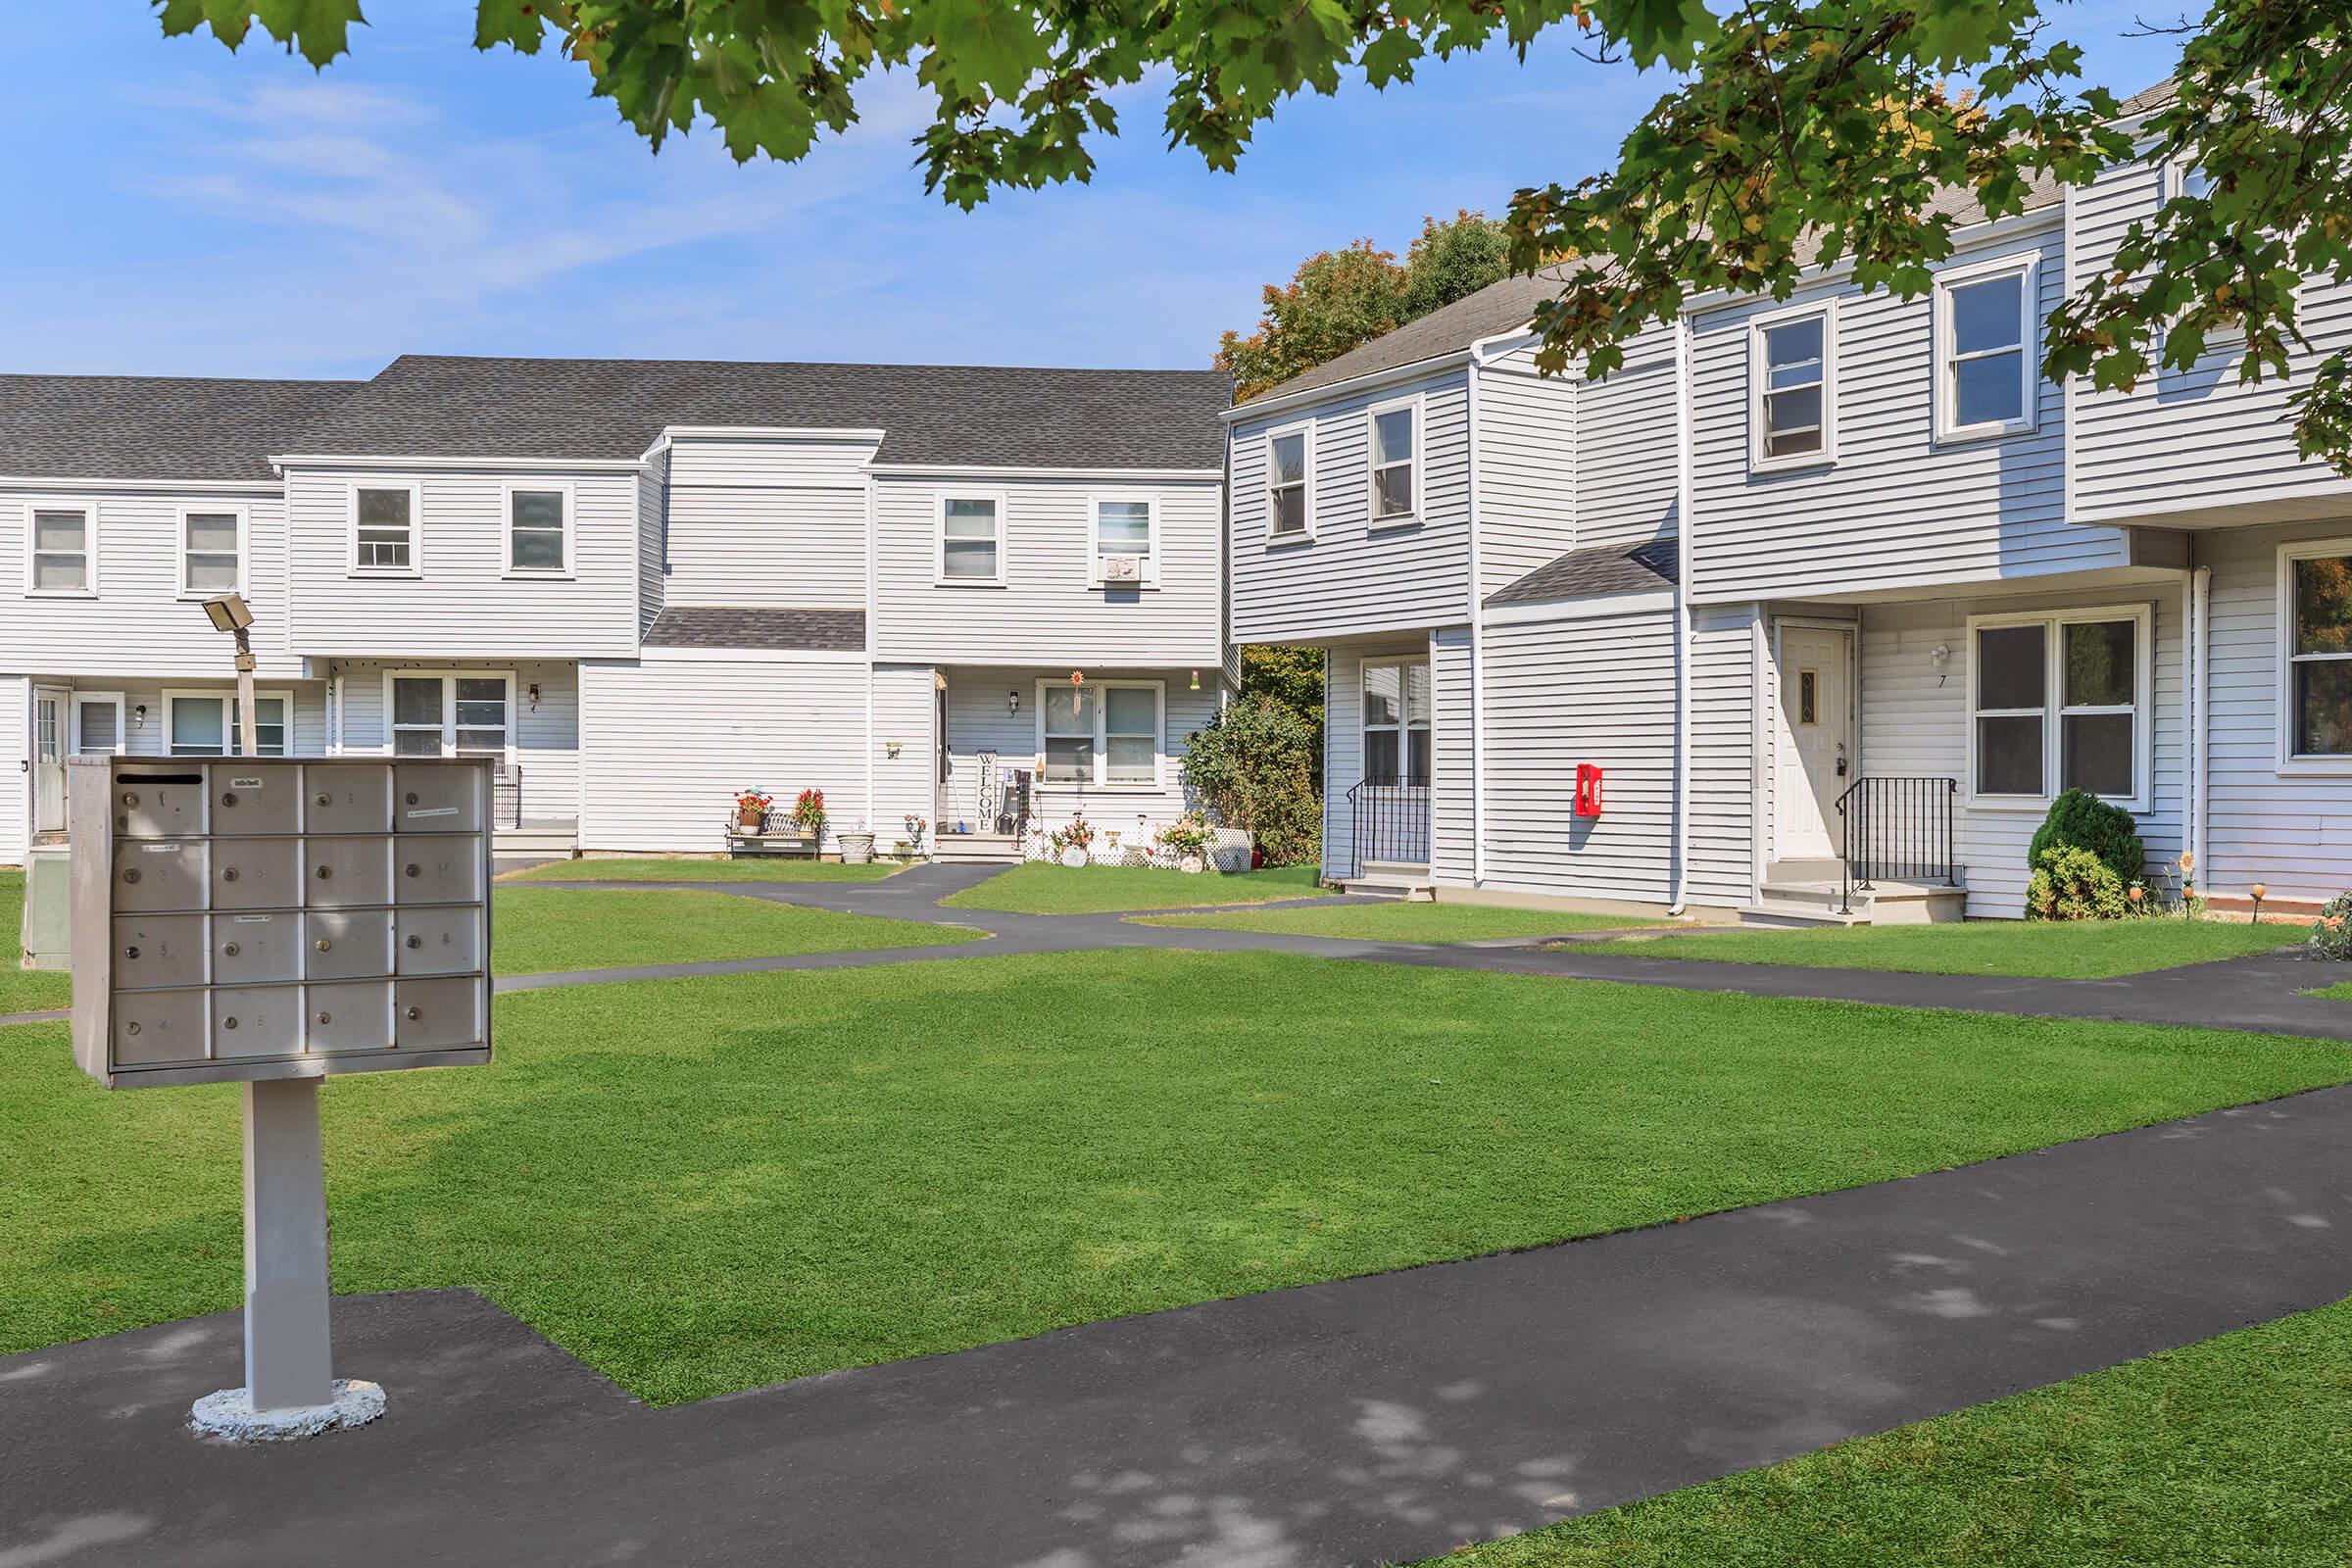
x=1254 y=767
x=2084 y=821
x=2331 y=933
x=2073 y=884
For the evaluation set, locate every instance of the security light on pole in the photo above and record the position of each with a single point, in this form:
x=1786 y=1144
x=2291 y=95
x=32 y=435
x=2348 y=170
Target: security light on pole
x=230 y=613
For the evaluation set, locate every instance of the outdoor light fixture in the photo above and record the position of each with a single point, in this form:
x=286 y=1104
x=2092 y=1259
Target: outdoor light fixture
x=230 y=613
x=1012 y=702
x=138 y=717
x=534 y=693
x=1196 y=680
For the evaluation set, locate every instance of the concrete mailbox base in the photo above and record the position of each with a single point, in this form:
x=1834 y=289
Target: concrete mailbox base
x=229 y=1414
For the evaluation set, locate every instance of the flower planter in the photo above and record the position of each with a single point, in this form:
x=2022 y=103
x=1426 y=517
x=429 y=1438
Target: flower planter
x=749 y=822
x=857 y=848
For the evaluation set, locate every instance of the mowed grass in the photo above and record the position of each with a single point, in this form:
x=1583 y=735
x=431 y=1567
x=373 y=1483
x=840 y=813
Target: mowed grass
x=2057 y=949
x=536 y=930
x=778 y=869
x=25 y=990
x=1400 y=921
x=2228 y=1452
x=706 y=1185
x=1035 y=888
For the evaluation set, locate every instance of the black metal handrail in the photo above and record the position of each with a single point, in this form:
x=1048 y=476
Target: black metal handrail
x=1896 y=827
x=1388 y=820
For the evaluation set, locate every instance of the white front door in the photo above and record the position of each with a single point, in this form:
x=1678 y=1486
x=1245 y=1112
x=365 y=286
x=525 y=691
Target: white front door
x=49 y=758
x=1816 y=741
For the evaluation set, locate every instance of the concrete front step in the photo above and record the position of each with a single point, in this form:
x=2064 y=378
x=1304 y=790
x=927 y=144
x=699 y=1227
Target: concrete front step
x=1394 y=879
x=976 y=849
x=1792 y=902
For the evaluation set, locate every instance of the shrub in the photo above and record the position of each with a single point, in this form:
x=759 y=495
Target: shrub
x=2084 y=821
x=2331 y=933
x=2073 y=884
x=1254 y=767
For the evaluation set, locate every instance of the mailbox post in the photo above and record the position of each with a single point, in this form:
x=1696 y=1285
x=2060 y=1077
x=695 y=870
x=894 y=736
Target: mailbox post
x=277 y=921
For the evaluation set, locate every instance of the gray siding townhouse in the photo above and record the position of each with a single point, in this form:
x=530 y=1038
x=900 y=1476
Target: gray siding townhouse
x=1827 y=589
x=640 y=585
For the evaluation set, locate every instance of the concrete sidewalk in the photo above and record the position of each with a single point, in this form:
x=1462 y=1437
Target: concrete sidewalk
x=1380 y=1419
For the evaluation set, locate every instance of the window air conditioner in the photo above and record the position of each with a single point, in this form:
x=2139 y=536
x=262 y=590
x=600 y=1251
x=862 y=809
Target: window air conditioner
x=1123 y=569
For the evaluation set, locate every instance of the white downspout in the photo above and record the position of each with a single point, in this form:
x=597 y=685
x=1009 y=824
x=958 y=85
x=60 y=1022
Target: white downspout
x=873 y=806
x=1686 y=555
x=2198 y=656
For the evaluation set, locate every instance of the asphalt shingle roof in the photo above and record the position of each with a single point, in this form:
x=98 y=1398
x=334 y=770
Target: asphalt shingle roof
x=931 y=414
x=151 y=427
x=737 y=626
x=1595 y=570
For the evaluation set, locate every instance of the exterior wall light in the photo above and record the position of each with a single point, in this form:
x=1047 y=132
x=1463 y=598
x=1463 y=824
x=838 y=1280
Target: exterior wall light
x=1012 y=702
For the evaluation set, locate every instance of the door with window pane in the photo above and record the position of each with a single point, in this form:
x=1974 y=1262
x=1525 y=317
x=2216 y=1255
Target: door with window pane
x=451 y=715
x=1390 y=804
x=49 y=760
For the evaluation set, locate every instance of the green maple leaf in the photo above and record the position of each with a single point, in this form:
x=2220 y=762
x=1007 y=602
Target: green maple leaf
x=518 y=24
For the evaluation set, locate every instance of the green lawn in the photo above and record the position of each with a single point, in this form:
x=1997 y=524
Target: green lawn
x=539 y=929
x=25 y=990
x=2231 y=1452
x=1036 y=888
x=1402 y=922
x=2064 y=950
x=777 y=870
x=707 y=1184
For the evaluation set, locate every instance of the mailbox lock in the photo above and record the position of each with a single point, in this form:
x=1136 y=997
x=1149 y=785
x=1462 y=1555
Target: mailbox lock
x=411 y=796
x=131 y=876
x=131 y=1028
x=327 y=1018
x=229 y=796
x=325 y=872
x=322 y=944
x=228 y=874
x=413 y=870
x=131 y=798
x=229 y=949
x=131 y=952
x=416 y=1013
x=325 y=799
x=415 y=943
x=230 y=1022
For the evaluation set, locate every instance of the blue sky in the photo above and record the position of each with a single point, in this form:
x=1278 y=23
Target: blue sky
x=189 y=212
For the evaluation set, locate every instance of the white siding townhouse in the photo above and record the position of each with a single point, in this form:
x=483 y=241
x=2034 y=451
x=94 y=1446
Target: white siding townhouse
x=640 y=585
x=1830 y=591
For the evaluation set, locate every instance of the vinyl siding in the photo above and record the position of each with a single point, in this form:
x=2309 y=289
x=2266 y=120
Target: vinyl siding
x=139 y=625
x=2194 y=439
x=979 y=720
x=776 y=547
x=790 y=463
x=1914 y=722
x=1048 y=612
x=546 y=738
x=1625 y=480
x=1452 y=808
x=1723 y=754
x=1349 y=579
x=653 y=537
x=1527 y=469
x=667 y=743
x=464 y=605
x=904 y=714
x=1897 y=508
x=1595 y=689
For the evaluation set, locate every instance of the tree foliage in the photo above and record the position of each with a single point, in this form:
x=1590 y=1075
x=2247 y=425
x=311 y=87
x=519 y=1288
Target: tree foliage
x=1794 y=132
x=1254 y=764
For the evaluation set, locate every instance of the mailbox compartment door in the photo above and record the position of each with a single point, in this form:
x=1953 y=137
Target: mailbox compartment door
x=159 y=1028
x=166 y=875
x=257 y=874
x=256 y=949
x=348 y=946
x=346 y=871
x=438 y=942
x=427 y=798
x=263 y=1021
x=248 y=799
x=159 y=804
x=159 y=950
x=350 y=1017
x=347 y=796
x=436 y=1015
x=438 y=870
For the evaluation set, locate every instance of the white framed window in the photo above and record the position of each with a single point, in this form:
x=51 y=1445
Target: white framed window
x=98 y=723
x=1291 y=483
x=206 y=723
x=1101 y=733
x=2059 y=701
x=211 y=551
x=1393 y=454
x=60 y=550
x=450 y=712
x=1792 y=389
x=1124 y=529
x=2315 y=657
x=1395 y=696
x=538 y=520
x=971 y=539
x=1986 y=350
x=384 y=534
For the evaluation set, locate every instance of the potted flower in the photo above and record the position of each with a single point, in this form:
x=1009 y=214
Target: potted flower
x=751 y=810
x=1186 y=841
x=808 y=812
x=913 y=843
x=858 y=848
x=1071 y=841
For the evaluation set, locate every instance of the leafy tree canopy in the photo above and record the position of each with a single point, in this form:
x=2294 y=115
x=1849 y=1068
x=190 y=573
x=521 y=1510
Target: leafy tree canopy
x=1795 y=131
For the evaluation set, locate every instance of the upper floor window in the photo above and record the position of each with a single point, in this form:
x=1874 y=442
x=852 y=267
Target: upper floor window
x=1126 y=541
x=1289 y=486
x=971 y=539
x=1985 y=350
x=538 y=531
x=2070 y=689
x=60 y=550
x=1791 y=400
x=2315 y=619
x=1395 y=434
x=211 y=553
x=383 y=528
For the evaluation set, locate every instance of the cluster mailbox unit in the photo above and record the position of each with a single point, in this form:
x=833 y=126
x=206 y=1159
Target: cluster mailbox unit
x=278 y=917
x=277 y=921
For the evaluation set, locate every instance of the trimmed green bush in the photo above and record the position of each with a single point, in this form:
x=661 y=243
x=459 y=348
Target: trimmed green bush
x=2084 y=821
x=2073 y=884
x=1254 y=765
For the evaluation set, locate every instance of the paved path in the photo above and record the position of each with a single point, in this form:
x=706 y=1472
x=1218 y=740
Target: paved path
x=1379 y=1419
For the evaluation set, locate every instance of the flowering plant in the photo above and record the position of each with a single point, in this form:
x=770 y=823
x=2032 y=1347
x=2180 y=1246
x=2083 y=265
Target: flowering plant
x=810 y=810
x=2331 y=933
x=916 y=827
x=752 y=803
x=1077 y=833
x=1187 y=836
